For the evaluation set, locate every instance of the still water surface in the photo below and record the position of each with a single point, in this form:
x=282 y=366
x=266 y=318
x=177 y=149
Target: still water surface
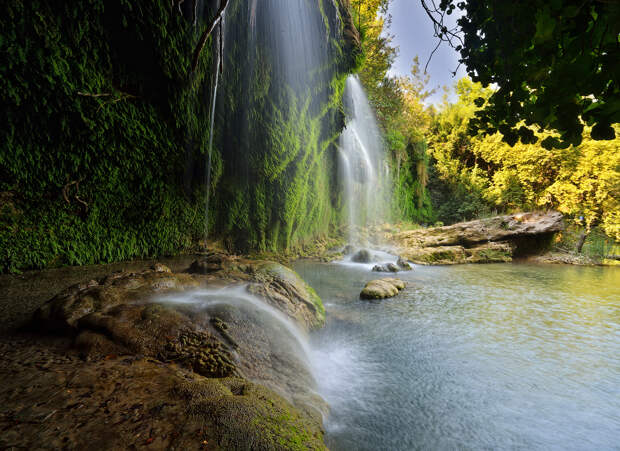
x=510 y=356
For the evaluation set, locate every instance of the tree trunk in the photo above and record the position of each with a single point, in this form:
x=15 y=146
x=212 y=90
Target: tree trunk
x=581 y=241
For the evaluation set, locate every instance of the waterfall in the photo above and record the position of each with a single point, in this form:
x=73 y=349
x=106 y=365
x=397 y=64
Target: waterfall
x=218 y=50
x=362 y=163
x=273 y=119
x=212 y=123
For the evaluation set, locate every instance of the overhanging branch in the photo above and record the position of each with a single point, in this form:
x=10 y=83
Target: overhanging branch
x=207 y=33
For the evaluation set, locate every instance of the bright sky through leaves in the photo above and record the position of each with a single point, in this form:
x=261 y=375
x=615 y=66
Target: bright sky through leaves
x=413 y=34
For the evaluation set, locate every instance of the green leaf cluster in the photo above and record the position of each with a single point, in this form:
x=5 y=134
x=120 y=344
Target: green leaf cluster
x=101 y=123
x=554 y=64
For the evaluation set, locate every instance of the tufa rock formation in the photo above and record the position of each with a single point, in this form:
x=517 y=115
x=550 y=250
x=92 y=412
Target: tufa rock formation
x=496 y=239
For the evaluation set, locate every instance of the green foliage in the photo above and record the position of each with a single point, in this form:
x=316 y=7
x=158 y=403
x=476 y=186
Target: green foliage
x=555 y=64
x=598 y=244
x=103 y=153
x=101 y=120
x=476 y=175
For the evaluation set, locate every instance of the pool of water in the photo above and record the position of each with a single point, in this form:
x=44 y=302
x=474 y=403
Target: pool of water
x=509 y=356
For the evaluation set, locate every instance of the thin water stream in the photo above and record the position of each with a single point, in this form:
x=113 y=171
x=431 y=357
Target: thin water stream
x=510 y=356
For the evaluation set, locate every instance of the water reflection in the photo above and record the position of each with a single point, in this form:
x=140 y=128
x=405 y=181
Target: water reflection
x=470 y=357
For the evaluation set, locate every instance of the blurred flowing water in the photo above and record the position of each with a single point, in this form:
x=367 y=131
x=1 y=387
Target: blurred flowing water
x=362 y=162
x=512 y=356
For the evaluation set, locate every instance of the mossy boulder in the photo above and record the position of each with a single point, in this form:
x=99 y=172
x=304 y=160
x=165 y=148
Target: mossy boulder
x=139 y=314
x=283 y=287
x=382 y=288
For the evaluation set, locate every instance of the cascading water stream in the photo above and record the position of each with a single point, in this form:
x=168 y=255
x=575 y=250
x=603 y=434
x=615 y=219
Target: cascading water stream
x=239 y=296
x=218 y=66
x=362 y=161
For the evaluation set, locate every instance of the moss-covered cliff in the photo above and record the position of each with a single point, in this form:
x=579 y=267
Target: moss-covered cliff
x=105 y=133
x=279 y=115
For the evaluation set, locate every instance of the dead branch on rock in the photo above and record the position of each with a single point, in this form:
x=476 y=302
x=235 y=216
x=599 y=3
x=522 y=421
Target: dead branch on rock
x=65 y=190
x=207 y=33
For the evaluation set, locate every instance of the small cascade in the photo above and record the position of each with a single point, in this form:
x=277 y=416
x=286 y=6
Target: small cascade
x=239 y=297
x=363 y=163
x=268 y=346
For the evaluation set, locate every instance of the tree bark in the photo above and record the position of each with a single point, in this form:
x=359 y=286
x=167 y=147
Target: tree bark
x=581 y=241
x=207 y=33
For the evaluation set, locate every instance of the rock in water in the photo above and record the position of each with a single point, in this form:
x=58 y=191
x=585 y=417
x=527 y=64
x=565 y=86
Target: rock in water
x=388 y=267
x=391 y=267
x=403 y=264
x=363 y=256
x=382 y=288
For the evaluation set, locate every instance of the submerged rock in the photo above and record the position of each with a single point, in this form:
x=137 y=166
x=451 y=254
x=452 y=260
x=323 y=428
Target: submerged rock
x=362 y=256
x=382 y=288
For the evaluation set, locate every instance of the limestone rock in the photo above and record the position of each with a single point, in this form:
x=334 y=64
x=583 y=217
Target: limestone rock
x=120 y=315
x=488 y=240
x=53 y=399
x=64 y=311
x=382 y=288
x=499 y=228
x=284 y=289
x=209 y=264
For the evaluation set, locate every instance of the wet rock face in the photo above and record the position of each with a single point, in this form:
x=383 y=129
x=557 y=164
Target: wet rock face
x=284 y=289
x=209 y=264
x=382 y=288
x=136 y=314
x=488 y=240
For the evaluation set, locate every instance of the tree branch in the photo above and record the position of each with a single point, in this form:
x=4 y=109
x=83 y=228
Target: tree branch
x=207 y=33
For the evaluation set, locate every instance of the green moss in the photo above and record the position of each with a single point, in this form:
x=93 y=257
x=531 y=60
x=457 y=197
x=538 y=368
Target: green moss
x=98 y=93
x=248 y=416
x=491 y=256
x=442 y=256
x=103 y=151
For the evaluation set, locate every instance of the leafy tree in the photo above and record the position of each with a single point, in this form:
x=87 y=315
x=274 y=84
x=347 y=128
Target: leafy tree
x=476 y=175
x=555 y=63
